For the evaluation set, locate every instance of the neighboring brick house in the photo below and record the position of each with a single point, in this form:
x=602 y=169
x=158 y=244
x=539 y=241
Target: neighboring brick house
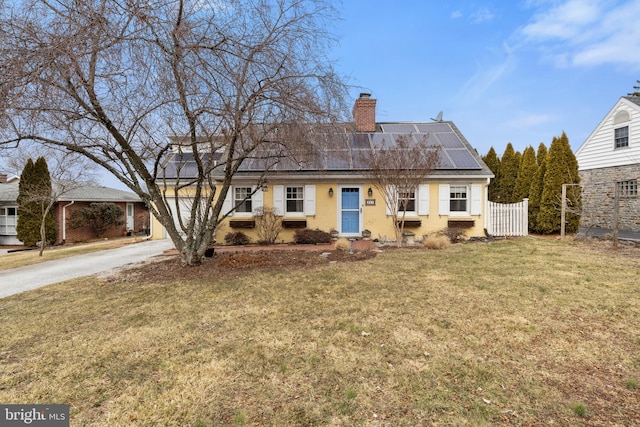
x=609 y=159
x=136 y=218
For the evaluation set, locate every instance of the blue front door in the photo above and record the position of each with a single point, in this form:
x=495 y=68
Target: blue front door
x=350 y=210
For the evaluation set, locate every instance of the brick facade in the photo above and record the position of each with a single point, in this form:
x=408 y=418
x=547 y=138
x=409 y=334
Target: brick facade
x=598 y=195
x=83 y=234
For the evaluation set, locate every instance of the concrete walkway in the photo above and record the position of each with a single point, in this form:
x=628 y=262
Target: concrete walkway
x=30 y=277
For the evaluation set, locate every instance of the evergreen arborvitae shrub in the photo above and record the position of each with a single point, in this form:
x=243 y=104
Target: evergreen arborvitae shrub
x=528 y=168
x=537 y=184
x=493 y=162
x=562 y=168
x=508 y=173
x=34 y=199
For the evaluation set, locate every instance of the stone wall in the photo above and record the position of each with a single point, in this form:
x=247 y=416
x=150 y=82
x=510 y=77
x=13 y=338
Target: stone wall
x=598 y=195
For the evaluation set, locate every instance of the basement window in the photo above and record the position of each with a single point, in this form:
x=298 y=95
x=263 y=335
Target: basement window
x=628 y=188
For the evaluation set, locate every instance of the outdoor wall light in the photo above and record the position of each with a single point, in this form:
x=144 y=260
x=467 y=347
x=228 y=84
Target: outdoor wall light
x=369 y=192
x=330 y=191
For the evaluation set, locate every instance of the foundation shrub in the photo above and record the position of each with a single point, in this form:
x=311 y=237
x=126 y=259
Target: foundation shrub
x=343 y=244
x=307 y=236
x=436 y=241
x=236 y=238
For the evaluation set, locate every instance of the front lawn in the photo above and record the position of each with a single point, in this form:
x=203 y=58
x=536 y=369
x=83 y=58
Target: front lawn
x=519 y=332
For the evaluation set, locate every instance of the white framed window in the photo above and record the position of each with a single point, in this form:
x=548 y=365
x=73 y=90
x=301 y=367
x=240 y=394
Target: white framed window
x=294 y=202
x=621 y=137
x=242 y=199
x=411 y=202
x=628 y=188
x=407 y=201
x=8 y=220
x=458 y=198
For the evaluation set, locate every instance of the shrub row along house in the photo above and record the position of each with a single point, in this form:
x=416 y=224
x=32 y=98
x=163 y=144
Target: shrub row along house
x=609 y=162
x=136 y=214
x=326 y=185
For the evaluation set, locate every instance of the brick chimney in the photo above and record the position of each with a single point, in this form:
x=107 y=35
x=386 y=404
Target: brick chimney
x=364 y=113
x=3 y=178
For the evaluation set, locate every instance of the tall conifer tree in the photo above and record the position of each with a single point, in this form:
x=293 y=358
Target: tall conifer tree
x=508 y=173
x=562 y=168
x=34 y=196
x=493 y=162
x=528 y=168
x=537 y=184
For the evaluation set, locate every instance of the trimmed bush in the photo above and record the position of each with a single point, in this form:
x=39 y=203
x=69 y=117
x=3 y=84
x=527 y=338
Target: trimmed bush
x=343 y=244
x=311 y=237
x=455 y=235
x=436 y=241
x=237 y=238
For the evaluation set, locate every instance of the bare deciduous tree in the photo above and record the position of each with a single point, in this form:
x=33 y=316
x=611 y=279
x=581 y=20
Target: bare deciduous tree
x=397 y=170
x=113 y=80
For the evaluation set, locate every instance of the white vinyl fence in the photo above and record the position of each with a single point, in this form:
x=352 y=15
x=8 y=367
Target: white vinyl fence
x=508 y=219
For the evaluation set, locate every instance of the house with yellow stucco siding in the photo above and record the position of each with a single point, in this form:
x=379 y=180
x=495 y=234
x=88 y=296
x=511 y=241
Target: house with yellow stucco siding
x=326 y=185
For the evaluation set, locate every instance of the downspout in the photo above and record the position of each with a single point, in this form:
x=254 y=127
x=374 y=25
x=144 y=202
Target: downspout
x=64 y=221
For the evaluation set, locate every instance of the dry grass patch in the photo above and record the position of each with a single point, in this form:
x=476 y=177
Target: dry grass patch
x=517 y=332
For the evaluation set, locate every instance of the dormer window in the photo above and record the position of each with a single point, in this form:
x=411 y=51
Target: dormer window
x=621 y=137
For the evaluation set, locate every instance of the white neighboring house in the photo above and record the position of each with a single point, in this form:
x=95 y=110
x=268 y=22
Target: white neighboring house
x=610 y=158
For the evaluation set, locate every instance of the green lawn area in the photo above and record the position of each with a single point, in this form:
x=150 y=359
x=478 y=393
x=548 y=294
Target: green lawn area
x=530 y=331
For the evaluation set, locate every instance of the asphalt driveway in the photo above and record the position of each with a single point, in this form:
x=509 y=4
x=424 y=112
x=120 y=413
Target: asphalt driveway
x=30 y=277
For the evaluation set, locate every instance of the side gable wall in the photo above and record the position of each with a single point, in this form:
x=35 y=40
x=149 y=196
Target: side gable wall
x=598 y=151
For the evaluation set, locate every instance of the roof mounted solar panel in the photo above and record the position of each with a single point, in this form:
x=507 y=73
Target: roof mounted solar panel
x=462 y=159
x=448 y=140
x=398 y=128
x=433 y=127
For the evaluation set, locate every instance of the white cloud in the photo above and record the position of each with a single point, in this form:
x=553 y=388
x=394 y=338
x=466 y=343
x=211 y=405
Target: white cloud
x=587 y=32
x=456 y=14
x=482 y=15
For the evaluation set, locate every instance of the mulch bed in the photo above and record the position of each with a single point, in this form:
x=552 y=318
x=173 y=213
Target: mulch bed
x=231 y=260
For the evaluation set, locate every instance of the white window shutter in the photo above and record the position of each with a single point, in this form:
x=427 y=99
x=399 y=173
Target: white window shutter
x=443 y=199
x=309 y=200
x=257 y=200
x=227 y=205
x=278 y=200
x=423 y=199
x=392 y=201
x=476 y=199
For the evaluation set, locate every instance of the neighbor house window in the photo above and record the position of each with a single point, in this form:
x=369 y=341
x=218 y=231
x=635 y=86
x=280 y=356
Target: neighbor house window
x=621 y=137
x=242 y=199
x=295 y=200
x=407 y=201
x=458 y=198
x=8 y=221
x=628 y=188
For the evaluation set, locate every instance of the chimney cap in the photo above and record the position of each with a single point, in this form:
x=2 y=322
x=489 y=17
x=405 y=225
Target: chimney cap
x=365 y=95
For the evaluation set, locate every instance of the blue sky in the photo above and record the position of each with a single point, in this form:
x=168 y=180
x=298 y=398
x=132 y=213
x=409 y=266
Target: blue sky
x=519 y=71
